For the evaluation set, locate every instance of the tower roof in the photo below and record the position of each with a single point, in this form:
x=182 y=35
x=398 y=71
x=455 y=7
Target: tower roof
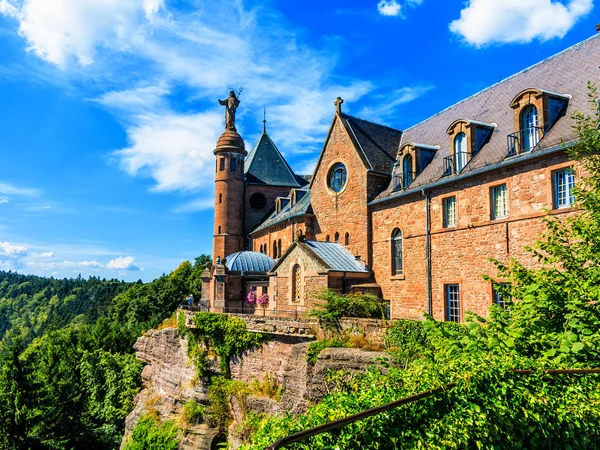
x=266 y=165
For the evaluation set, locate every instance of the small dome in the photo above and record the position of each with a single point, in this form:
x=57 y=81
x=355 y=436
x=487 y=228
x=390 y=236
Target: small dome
x=249 y=262
x=231 y=141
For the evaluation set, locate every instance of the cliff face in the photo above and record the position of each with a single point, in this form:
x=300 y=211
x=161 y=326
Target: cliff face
x=170 y=379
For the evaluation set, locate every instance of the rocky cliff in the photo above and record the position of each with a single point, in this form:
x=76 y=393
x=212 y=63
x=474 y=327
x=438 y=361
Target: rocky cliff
x=169 y=380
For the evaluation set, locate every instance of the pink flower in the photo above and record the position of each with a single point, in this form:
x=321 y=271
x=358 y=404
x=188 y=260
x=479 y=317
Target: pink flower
x=263 y=300
x=251 y=297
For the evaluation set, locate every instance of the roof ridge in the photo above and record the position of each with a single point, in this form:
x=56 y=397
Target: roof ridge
x=368 y=136
x=492 y=86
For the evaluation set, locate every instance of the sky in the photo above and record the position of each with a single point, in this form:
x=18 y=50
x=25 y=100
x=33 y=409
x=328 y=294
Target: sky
x=109 y=112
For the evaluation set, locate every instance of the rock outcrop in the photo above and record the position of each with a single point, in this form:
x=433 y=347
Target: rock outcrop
x=170 y=380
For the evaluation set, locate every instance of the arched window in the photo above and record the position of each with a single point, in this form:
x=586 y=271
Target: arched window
x=219 y=232
x=274 y=249
x=460 y=152
x=530 y=130
x=261 y=250
x=347 y=239
x=337 y=237
x=327 y=238
x=296 y=283
x=279 y=253
x=397 y=252
x=407 y=171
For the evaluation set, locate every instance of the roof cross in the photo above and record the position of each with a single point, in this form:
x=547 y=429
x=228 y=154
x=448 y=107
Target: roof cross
x=338 y=104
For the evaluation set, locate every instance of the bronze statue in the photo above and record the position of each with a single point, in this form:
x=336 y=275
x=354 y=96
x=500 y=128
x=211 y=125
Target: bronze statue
x=230 y=104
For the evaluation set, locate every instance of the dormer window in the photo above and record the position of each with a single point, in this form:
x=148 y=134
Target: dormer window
x=536 y=111
x=466 y=139
x=412 y=159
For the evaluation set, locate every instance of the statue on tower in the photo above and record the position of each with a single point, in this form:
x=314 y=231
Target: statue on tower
x=230 y=103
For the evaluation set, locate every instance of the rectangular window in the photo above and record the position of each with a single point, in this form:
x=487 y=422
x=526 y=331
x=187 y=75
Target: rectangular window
x=564 y=181
x=222 y=164
x=449 y=212
x=264 y=290
x=452 y=295
x=499 y=202
x=500 y=298
x=233 y=164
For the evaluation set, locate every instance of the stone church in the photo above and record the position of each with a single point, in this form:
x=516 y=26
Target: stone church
x=414 y=216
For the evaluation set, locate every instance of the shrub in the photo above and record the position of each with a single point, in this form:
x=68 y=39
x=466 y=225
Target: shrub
x=150 y=434
x=217 y=414
x=267 y=387
x=193 y=412
x=315 y=348
x=334 y=306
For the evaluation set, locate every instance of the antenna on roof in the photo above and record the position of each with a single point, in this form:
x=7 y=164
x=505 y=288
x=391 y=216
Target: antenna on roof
x=265 y=120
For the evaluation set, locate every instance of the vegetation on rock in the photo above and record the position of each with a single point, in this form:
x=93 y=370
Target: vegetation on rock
x=333 y=306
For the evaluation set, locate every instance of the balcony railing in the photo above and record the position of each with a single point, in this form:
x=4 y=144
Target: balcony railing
x=403 y=180
x=524 y=141
x=456 y=162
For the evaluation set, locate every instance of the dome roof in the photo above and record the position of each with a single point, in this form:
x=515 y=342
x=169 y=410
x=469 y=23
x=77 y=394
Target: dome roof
x=249 y=262
x=231 y=141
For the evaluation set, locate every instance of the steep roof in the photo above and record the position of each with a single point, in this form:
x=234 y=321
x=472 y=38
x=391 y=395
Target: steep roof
x=331 y=256
x=376 y=143
x=566 y=73
x=266 y=165
x=249 y=262
x=301 y=208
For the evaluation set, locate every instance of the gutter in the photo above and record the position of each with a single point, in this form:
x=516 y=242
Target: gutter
x=491 y=168
x=428 y=249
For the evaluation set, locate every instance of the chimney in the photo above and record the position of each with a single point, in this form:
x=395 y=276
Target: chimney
x=598 y=28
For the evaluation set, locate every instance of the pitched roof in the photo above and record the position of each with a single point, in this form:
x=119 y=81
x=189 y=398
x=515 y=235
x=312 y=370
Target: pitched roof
x=377 y=144
x=249 y=262
x=566 y=73
x=331 y=256
x=266 y=165
x=301 y=208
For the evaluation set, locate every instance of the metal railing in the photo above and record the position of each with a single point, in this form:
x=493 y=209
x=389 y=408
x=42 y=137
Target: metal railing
x=403 y=180
x=456 y=162
x=524 y=141
x=247 y=310
x=302 y=435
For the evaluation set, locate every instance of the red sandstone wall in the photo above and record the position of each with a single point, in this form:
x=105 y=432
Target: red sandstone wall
x=461 y=254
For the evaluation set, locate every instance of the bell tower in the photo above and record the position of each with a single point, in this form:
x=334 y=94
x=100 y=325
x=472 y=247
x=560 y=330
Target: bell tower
x=229 y=186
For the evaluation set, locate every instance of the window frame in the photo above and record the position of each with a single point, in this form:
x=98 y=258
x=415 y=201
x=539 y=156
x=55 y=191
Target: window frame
x=337 y=183
x=497 y=297
x=570 y=174
x=397 y=251
x=445 y=212
x=222 y=164
x=494 y=201
x=452 y=312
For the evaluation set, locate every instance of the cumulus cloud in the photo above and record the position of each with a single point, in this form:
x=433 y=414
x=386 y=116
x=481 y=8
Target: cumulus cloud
x=61 y=30
x=123 y=263
x=490 y=21
x=12 y=250
x=4 y=200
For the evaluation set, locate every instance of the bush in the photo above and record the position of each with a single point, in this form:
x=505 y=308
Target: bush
x=334 y=306
x=217 y=414
x=150 y=434
x=193 y=412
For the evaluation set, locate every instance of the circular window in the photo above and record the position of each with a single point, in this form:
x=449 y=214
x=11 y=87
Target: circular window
x=337 y=177
x=258 y=201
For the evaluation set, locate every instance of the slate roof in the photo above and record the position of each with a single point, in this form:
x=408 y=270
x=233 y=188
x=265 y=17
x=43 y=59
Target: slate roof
x=566 y=73
x=254 y=262
x=266 y=165
x=377 y=144
x=337 y=257
x=331 y=256
x=301 y=208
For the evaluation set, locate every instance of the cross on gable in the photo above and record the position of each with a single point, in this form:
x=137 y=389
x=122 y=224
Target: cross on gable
x=338 y=104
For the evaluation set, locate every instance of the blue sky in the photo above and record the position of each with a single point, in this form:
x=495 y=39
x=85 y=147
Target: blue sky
x=108 y=111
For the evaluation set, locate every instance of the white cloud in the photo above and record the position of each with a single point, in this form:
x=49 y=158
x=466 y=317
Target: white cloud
x=196 y=205
x=10 y=189
x=491 y=21
x=389 y=8
x=61 y=30
x=43 y=255
x=123 y=263
x=389 y=101
x=394 y=9
x=45 y=266
x=12 y=250
x=4 y=200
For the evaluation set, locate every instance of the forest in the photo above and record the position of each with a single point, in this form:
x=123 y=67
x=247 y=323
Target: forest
x=68 y=374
